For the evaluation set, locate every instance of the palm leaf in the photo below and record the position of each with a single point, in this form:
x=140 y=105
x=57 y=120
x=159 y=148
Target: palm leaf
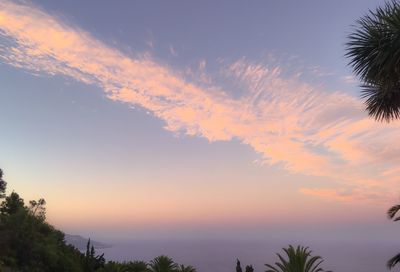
x=298 y=260
x=393 y=261
x=392 y=211
x=374 y=53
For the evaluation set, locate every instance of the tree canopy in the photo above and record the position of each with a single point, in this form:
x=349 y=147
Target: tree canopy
x=298 y=260
x=374 y=52
x=29 y=244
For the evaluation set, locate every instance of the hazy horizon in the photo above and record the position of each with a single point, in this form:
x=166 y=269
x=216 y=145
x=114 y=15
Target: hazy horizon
x=214 y=255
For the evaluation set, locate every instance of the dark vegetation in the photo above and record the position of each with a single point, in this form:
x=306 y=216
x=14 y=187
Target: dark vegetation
x=391 y=213
x=29 y=244
x=249 y=268
x=374 y=53
x=298 y=259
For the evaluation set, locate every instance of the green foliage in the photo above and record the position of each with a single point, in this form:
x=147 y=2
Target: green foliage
x=113 y=267
x=29 y=244
x=38 y=209
x=91 y=261
x=299 y=260
x=374 y=52
x=163 y=264
x=160 y=263
x=12 y=204
x=183 y=268
x=135 y=266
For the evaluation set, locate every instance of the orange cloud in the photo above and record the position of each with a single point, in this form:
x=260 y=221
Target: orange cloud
x=288 y=122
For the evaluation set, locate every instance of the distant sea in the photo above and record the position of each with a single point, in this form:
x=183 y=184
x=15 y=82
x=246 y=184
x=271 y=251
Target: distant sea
x=220 y=256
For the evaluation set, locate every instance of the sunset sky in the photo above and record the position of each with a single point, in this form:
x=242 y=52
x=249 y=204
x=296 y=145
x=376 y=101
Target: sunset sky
x=184 y=119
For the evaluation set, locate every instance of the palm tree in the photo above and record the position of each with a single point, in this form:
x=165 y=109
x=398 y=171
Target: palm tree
x=374 y=52
x=163 y=264
x=391 y=213
x=183 y=268
x=114 y=267
x=299 y=260
x=136 y=266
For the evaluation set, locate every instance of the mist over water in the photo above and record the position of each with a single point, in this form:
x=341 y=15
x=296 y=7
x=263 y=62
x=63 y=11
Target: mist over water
x=220 y=255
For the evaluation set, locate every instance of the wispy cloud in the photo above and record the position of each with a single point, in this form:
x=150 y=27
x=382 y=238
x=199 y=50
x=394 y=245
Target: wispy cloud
x=288 y=122
x=320 y=72
x=172 y=51
x=350 y=79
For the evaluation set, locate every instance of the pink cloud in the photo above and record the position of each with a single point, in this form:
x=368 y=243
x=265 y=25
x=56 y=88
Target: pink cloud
x=331 y=194
x=288 y=122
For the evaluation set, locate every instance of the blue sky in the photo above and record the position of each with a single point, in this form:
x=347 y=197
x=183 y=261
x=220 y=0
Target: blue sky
x=188 y=117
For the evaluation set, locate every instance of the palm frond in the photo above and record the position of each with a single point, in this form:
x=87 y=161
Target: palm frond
x=272 y=268
x=374 y=53
x=392 y=211
x=393 y=261
x=298 y=259
x=382 y=102
x=163 y=264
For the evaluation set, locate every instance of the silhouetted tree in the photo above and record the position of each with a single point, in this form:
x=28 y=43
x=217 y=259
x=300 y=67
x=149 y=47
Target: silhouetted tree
x=3 y=185
x=163 y=264
x=91 y=261
x=238 y=266
x=38 y=209
x=374 y=52
x=391 y=213
x=299 y=260
x=29 y=243
x=12 y=204
x=249 y=268
x=183 y=268
x=135 y=266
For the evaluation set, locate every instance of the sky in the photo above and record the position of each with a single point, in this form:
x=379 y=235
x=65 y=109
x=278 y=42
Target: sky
x=176 y=119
